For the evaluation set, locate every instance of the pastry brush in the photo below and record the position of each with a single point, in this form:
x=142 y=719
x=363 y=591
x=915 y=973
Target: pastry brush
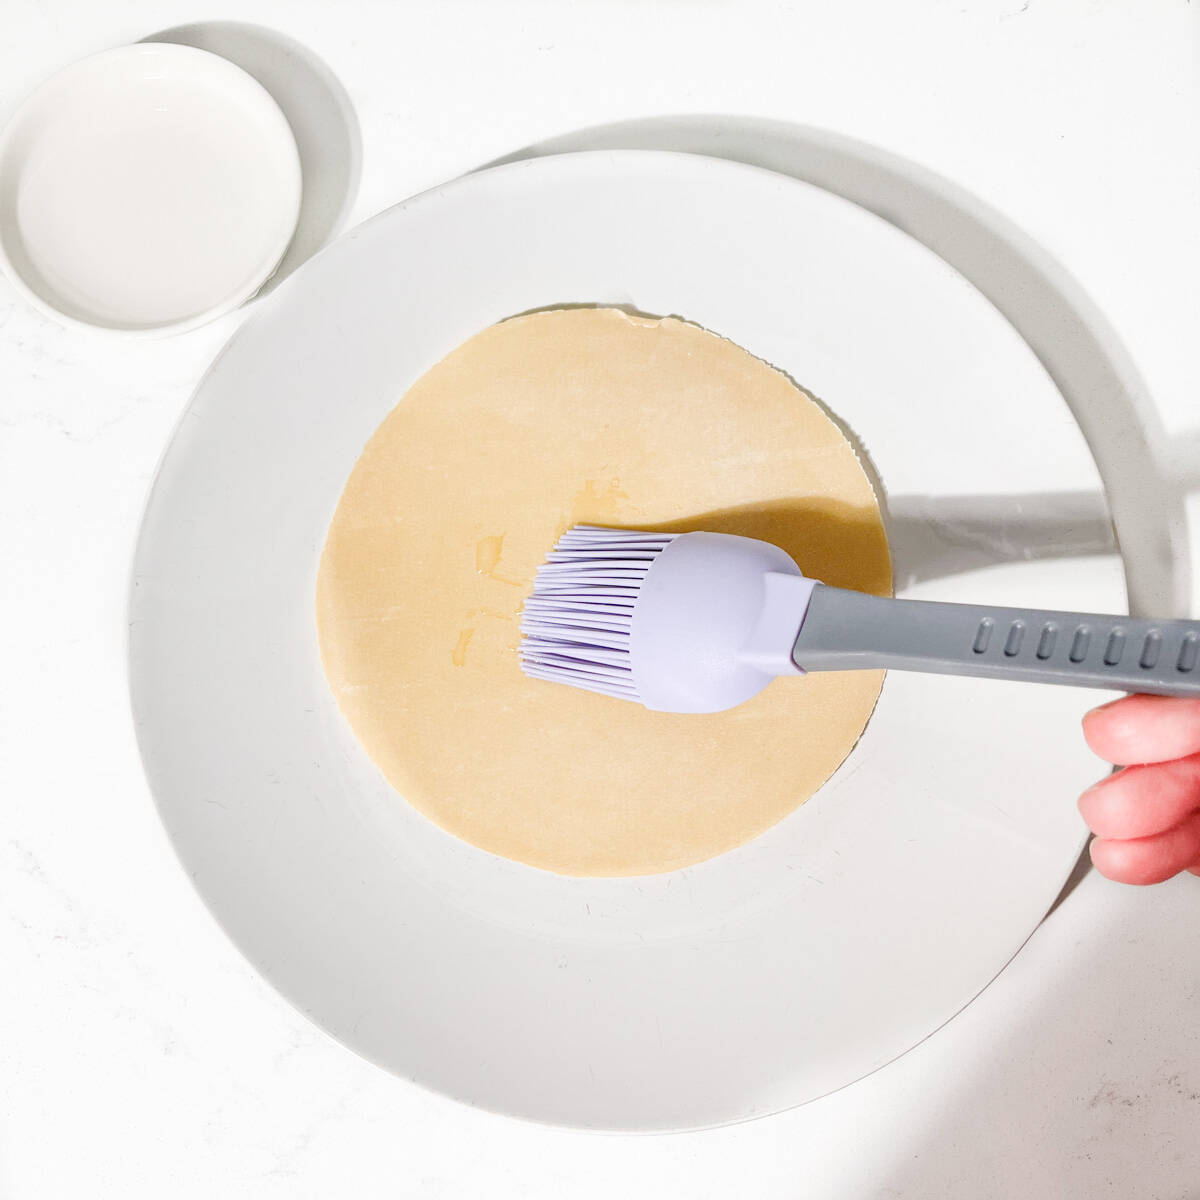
x=701 y=622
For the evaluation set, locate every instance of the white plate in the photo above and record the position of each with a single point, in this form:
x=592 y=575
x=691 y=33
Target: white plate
x=146 y=189
x=759 y=980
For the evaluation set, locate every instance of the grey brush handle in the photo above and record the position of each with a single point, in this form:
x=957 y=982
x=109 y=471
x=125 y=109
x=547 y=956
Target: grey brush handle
x=846 y=631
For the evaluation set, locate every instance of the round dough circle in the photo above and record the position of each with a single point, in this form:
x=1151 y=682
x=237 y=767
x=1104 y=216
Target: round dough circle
x=533 y=425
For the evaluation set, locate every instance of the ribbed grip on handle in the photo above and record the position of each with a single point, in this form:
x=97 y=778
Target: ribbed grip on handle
x=849 y=630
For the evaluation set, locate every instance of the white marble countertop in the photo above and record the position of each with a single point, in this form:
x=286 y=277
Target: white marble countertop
x=141 y=1056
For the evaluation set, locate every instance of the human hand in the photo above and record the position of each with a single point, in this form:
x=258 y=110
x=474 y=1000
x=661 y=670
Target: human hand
x=1146 y=818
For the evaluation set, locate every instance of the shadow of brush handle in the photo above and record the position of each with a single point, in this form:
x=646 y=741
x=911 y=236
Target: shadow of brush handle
x=932 y=537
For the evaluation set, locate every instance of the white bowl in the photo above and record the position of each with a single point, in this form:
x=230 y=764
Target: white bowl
x=146 y=189
x=760 y=979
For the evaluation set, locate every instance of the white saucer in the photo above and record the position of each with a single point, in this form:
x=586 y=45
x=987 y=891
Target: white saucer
x=146 y=189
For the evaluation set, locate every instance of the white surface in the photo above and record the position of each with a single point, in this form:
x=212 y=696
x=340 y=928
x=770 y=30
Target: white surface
x=143 y=1057
x=147 y=188
x=599 y=992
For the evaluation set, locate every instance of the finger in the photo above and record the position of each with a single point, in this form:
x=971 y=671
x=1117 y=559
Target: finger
x=1140 y=801
x=1144 y=729
x=1151 y=859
